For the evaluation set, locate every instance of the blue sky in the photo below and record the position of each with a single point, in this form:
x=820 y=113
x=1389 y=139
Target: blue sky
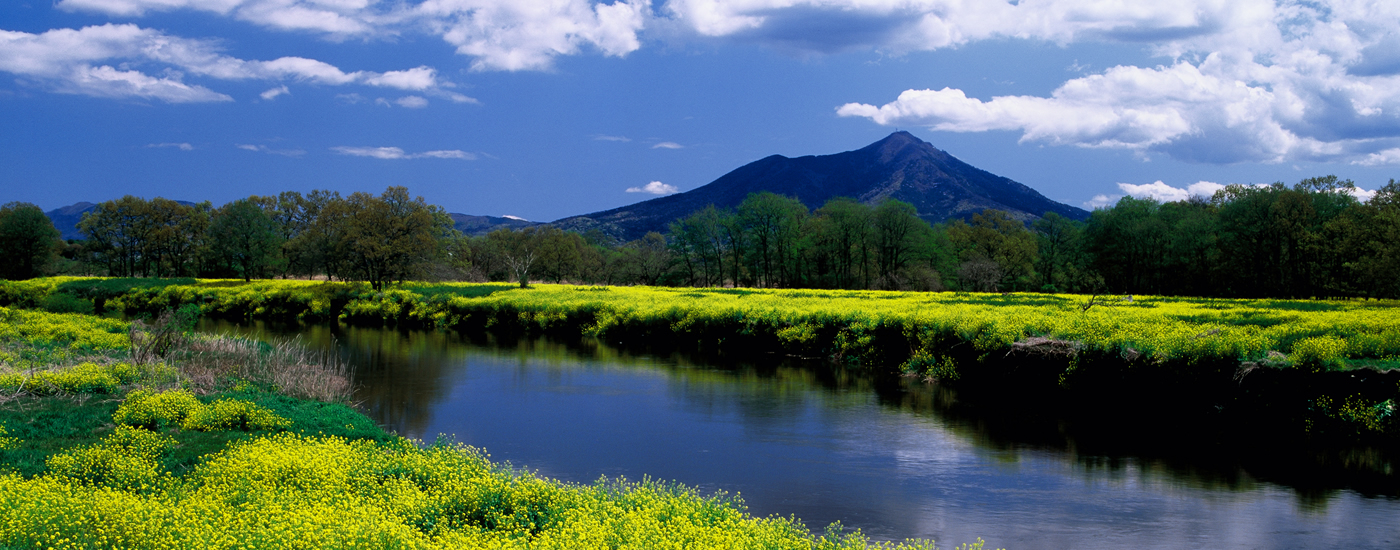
x=545 y=109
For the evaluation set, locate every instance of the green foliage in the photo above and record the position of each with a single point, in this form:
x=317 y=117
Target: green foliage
x=64 y=303
x=128 y=489
x=244 y=240
x=126 y=460
x=156 y=410
x=28 y=241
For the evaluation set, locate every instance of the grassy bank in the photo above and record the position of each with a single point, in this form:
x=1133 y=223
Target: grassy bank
x=1303 y=365
x=215 y=446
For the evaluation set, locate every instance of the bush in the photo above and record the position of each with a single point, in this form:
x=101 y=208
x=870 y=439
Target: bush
x=63 y=303
x=234 y=414
x=154 y=411
x=128 y=459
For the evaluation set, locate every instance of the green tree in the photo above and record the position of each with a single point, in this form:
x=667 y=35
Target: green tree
x=698 y=240
x=1060 y=247
x=845 y=242
x=117 y=232
x=773 y=224
x=28 y=241
x=994 y=243
x=391 y=237
x=245 y=240
x=898 y=232
x=1127 y=243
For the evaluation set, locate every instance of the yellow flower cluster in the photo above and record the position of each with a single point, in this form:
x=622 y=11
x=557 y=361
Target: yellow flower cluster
x=127 y=460
x=62 y=330
x=153 y=411
x=291 y=491
x=847 y=324
x=81 y=378
x=8 y=443
x=234 y=414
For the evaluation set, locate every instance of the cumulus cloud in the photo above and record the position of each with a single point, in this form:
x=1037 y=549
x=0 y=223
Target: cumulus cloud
x=668 y=145
x=117 y=61
x=1102 y=201
x=1380 y=158
x=1165 y=193
x=180 y=146
x=1238 y=81
x=498 y=34
x=1244 y=81
x=513 y=35
x=265 y=149
x=395 y=153
x=655 y=188
x=337 y=17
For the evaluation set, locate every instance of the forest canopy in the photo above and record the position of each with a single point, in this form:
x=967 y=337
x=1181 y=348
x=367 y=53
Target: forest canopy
x=1311 y=239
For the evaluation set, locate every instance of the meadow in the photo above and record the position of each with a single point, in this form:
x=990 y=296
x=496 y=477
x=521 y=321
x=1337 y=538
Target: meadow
x=206 y=448
x=1305 y=365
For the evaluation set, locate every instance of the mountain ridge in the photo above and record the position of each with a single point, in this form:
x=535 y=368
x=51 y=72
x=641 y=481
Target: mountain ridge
x=900 y=166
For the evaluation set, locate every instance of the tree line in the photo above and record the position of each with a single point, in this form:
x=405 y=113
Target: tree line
x=1312 y=239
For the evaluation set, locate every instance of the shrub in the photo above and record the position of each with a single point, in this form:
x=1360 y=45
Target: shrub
x=154 y=411
x=234 y=414
x=128 y=459
x=64 y=303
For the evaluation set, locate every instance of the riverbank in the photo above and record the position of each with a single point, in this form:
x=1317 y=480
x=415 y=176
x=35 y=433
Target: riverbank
x=206 y=448
x=1311 y=367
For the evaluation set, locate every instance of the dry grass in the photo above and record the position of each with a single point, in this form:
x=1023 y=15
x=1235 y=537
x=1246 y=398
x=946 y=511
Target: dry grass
x=286 y=367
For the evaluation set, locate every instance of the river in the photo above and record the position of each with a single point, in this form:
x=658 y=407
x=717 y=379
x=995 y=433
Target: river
x=896 y=458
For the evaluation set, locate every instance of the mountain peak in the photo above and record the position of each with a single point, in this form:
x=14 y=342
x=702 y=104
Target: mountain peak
x=900 y=166
x=899 y=144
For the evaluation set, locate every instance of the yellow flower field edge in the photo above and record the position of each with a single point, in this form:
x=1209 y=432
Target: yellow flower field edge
x=1262 y=358
x=288 y=483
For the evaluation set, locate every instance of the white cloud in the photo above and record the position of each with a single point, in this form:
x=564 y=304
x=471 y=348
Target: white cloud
x=1244 y=81
x=513 y=35
x=265 y=149
x=328 y=16
x=668 y=145
x=180 y=146
x=273 y=93
x=1380 y=158
x=1102 y=201
x=510 y=217
x=412 y=102
x=116 y=61
x=499 y=34
x=601 y=137
x=447 y=154
x=1165 y=193
x=1362 y=195
x=395 y=153
x=655 y=188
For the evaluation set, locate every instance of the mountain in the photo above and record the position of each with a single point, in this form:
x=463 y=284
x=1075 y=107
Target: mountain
x=66 y=219
x=481 y=225
x=901 y=166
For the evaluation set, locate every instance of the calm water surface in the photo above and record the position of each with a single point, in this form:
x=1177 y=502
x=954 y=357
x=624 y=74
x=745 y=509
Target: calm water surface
x=892 y=458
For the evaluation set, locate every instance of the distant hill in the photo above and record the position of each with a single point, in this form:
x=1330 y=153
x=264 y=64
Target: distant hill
x=66 y=220
x=481 y=225
x=900 y=166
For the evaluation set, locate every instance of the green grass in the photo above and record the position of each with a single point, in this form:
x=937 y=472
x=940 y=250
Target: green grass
x=49 y=425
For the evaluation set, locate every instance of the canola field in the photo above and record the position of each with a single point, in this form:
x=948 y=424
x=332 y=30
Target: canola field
x=910 y=332
x=279 y=485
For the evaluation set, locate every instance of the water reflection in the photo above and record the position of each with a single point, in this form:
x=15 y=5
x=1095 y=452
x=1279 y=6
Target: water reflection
x=893 y=457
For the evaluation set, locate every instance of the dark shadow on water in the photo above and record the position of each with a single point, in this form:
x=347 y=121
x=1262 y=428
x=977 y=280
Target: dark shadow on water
x=894 y=456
